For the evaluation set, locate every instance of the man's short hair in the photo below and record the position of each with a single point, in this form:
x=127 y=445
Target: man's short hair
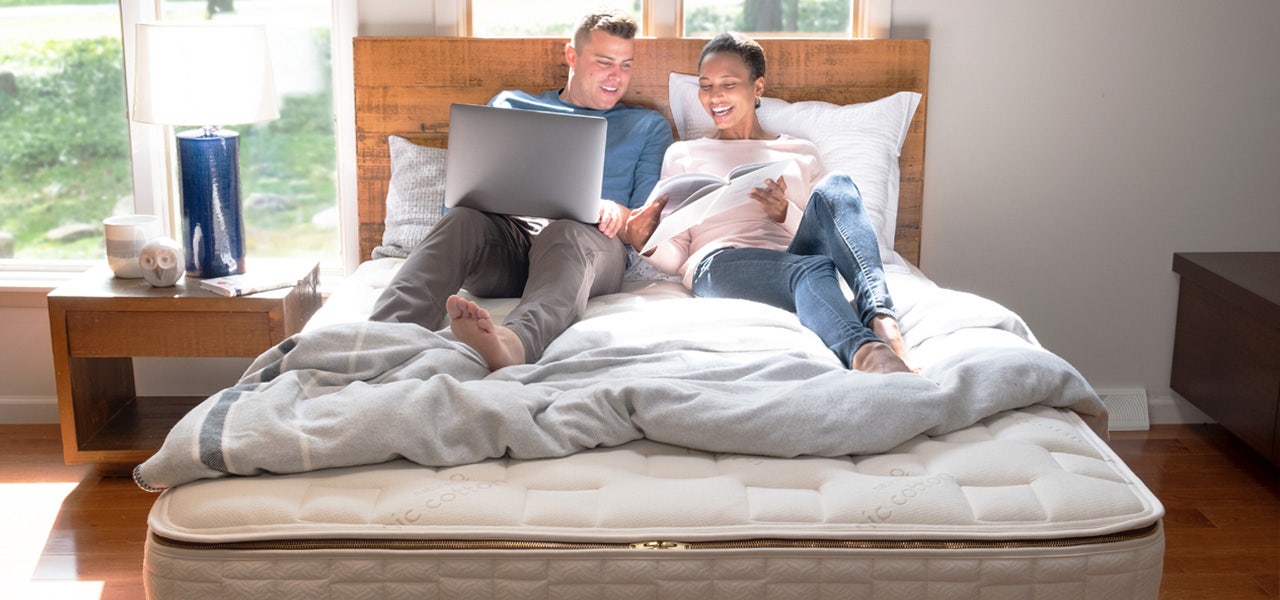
x=611 y=21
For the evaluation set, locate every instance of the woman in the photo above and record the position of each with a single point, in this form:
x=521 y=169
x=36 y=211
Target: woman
x=785 y=249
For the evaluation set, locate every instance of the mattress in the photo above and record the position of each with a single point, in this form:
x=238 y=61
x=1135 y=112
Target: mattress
x=1029 y=502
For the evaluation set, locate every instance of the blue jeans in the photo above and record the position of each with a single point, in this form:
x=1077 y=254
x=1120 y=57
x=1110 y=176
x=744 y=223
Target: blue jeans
x=835 y=236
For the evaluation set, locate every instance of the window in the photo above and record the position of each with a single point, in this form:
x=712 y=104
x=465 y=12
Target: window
x=64 y=130
x=69 y=156
x=288 y=166
x=66 y=158
x=517 y=18
x=707 y=18
x=695 y=18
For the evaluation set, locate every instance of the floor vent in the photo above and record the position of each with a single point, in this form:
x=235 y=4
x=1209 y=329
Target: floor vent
x=1128 y=409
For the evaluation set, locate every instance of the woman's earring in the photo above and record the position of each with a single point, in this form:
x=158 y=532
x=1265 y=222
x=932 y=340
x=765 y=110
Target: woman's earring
x=757 y=103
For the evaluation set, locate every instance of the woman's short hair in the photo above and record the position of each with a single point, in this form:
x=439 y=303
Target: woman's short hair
x=611 y=21
x=739 y=44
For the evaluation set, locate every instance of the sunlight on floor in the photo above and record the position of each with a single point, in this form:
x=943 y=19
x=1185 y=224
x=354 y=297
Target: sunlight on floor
x=30 y=510
x=64 y=590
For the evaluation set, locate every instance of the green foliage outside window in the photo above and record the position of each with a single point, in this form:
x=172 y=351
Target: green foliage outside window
x=773 y=16
x=294 y=159
x=64 y=142
x=65 y=157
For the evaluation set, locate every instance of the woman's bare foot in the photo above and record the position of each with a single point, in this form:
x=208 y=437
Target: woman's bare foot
x=498 y=345
x=878 y=357
x=887 y=329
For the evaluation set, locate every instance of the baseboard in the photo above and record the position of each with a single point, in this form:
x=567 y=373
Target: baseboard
x=23 y=410
x=1175 y=410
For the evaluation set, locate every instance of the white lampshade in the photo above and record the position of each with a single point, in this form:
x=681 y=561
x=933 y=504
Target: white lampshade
x=203 y=75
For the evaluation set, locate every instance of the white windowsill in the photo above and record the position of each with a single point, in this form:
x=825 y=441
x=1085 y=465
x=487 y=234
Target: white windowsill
x=28 y=285
x=25 y=285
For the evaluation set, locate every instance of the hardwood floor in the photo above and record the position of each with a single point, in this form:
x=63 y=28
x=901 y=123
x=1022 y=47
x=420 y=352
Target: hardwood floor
x=1222 y=510
x=99 y=532
x=1222 y=523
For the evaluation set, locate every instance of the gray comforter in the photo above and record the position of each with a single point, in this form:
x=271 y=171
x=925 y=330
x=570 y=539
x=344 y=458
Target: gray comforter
x=714 y=375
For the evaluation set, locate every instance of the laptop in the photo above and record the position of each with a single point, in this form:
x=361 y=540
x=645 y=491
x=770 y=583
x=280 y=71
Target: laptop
x=525 y=162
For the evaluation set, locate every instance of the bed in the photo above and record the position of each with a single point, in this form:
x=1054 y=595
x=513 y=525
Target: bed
x=664 y=446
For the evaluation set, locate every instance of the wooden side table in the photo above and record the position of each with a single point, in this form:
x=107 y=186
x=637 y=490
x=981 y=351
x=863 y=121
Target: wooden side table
x=1226 y=348
x=99 y=323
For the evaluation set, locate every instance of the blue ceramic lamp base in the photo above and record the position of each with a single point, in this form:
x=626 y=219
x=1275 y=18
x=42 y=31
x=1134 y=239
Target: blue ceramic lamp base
x=212 y=226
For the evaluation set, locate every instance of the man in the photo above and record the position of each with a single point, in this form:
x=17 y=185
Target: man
x=554 y=268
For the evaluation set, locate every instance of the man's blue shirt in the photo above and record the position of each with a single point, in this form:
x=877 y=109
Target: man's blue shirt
x=635 y=142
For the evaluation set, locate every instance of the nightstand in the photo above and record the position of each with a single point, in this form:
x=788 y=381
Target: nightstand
x=99 y=323
x=1226 y=346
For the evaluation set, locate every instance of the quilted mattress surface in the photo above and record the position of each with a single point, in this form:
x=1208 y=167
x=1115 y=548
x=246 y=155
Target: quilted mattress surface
x=1026 y=499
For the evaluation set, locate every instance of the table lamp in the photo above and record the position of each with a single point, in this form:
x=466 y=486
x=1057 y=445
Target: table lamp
x=206 y=75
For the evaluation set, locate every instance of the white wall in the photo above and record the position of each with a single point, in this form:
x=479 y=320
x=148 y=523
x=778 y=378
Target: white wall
x=27 y=390
x=1073 y=147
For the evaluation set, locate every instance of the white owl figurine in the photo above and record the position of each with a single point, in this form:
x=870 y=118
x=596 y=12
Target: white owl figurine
x=161 y=261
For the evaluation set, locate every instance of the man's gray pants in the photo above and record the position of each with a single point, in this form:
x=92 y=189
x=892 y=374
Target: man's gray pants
x=554 y=271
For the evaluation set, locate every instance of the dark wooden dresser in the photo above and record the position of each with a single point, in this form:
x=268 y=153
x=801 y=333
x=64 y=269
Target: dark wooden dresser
x=1226 y=352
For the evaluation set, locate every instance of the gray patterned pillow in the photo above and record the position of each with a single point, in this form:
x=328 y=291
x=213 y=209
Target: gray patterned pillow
x=415 y=196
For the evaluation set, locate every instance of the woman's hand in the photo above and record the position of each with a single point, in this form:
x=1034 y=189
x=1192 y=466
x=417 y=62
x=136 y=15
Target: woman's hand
x=772 y=198
x=641 y=223
x=613 y=217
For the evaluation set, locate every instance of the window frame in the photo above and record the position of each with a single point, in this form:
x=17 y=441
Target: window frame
x=665 y=18
x=26 y=275
x=154 y=147
x=152 y=151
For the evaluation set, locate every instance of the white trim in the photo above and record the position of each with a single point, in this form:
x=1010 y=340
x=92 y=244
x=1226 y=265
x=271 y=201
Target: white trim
x=452 y=17
x=346 y=25
x=24 y=410
x=662 y=18
x=150 y=146
x=22 y=282
x=1172 y=408
x=875 y=18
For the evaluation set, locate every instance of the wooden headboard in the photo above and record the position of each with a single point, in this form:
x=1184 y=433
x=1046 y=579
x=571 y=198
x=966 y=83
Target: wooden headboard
x=404 y=86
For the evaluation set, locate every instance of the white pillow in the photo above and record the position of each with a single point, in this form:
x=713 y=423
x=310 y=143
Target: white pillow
x=415 y=196
x=862 y=141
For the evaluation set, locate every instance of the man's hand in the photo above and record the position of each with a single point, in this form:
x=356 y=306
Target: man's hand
x=641 y=223
x=613 y=217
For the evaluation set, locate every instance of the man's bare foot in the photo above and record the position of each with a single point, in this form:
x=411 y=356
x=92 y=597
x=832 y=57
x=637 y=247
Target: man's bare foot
x=878 y=357
x=498 y=345
x=886 y=328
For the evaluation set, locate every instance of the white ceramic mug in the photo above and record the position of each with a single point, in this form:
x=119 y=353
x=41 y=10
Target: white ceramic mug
x=125 y=236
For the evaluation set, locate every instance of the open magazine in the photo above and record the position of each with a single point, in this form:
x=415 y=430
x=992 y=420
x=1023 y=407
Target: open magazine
x=248 y=283
x=696 y=196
